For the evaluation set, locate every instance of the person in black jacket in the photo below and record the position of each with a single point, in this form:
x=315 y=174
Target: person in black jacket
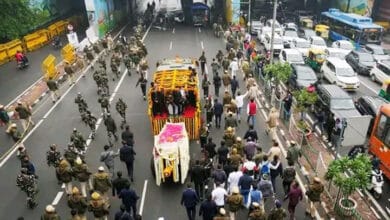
x=128 y=136
x=223 y=152
x=218 y=111
x=217 y=84
x=208 y=209
x=126 y=155
x=198 y=178
x=189 y=199
x=119 y=183
x=111 y=127
x=210 y=148
x=251 y=133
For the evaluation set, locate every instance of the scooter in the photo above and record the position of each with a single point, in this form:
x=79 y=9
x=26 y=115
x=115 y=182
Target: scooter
x=22 y=64
x=377 y=181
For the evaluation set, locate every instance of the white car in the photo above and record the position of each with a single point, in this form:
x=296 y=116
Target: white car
x=345 y=46
x=278 y=27
x=335 y=52
x=339 y=72
x=291 y=56
x=301 y=45
x=377 y=51
x=262 y=33
x=290 y=26
x=256 y=26
x=381 y=71
x=317 y=42
x=278 y=43
x=289 y=36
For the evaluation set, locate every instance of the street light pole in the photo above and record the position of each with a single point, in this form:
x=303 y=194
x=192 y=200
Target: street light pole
x=249 y=16
x=273 y=31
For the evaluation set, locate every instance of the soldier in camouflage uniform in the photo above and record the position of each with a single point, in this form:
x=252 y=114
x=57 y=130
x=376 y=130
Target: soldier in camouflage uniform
x=121 y=109
x=91 y=121
x=128 y=63
x=53 y=156
x=89 y=54
x=82 y=104
x=78 y=140
x=71 y=154
x=104 y=103
x=114 y=70
x=102 y=62
x=28 y=184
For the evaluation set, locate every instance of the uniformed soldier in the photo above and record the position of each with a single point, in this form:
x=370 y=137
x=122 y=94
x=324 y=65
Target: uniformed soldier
x=128 y=63
x=142 y=81
x=69 y=72
x=28 y=184
x=115 y=70
x=82 y=104
x=53 y=88
x=111 y=128
x=102 y=62
x=78 y=140
x=71 y=154
x=121 y=109
x=219 y=56
x=135 y=59
x=104 y=103
x=84 y=117
x=104 y=85
x=53 y=156
x=88 y=54
x=91 y=121
x=96 y=48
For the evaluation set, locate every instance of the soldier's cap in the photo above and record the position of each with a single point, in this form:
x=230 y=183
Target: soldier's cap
x=65 y=61
x=95 y=196
x=78 y=161
x=101 y=169
x=74 y=129
x=75 y=190
x=13 y=125
x=19 y=102
x=292 y=143
x=255 y=204
x=278 y=204
x=238 y=139
x=50 y=209
x=235 y=190
x=230 y=113
x=79 y=93
x=108 y=114
x=222 y=211
x=230 y=129
x=317 y=179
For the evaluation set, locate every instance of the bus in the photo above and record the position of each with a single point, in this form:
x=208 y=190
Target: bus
x=358 y=29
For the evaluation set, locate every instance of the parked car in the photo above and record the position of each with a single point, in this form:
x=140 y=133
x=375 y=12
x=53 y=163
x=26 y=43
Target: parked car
x=361 y=62
x=288 y=37
x=369 y=105
x=290 y=26
x=317 y=42
x=262 y=33
x=343 y=44
x=278 y=43
x=377 y=51
x=301 y=45
x=278 y=27
x=291 y=56
x=335 y=52
x=306 y=33
x=334 y=99
x=339 y=72
x=302 y=76
x=381 y=71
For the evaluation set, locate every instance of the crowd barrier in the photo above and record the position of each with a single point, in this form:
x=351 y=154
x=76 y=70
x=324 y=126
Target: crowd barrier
x=68 y=53
x=49 y=69
x=36 y=40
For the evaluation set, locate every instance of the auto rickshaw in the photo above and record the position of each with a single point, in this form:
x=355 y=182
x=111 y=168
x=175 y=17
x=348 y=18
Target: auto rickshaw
x=322 y=31
x=306 y=23
x=315 y=59
x=385 y=90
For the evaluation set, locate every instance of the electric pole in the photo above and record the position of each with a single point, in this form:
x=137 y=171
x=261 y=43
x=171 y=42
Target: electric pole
x=273 y=31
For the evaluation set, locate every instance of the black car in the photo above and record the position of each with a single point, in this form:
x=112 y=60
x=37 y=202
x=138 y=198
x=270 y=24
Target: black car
x=369 y=105
x=302 y=76
x=361 y=62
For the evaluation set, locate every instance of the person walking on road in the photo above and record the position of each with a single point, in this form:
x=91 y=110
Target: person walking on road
x=127 y=155
x=142 y=81
x=198 y=177
x=294 y=195
x=82 y=173
x=251 y=111
x=128 y=136
x=53 y=88
x=119 y=183
x=219 y=176
x=219 y=195
x=218 y=111
x=251 y=133
x=226 y=80
x=244 y=183
x=208 y=209
x=108 y=158
x=53 y=156
x=101 y=182
x=250 y=148
x=235 y=202
x=122 y=214
x=50 y=213
x=189 y=199
x=78 y=202
x=64 y=175
x=239 y=99
x=288 y=176
x=265 y=186
x=217 y=83
x=255 y=196
x=223 y=152
x=314 y=194
x=277 y=212
x=234 y=178
x=234 y=85
x=231 y=121
x=202 y=60
x=4 y=118
x=293 y=153
x=205 y=86
x=121 y=107
x=210 y=148
x=272 y=122
x=257 y=213
x=111 y=127
x=274 y=150
x=24 y=113
x=276 y=169
x=129 y=199
x=99 y=207
x=69 y=73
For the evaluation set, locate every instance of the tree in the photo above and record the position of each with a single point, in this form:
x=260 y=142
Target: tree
x=277 y=73
x=18 y=18
x=304 y=99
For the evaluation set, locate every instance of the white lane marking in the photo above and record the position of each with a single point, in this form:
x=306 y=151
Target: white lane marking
x=173 y=31
x=141 y=207
x=170 y=46
x=201 y=44
x=368 y=87
x=63 y=186
x=57 y=198
x=199 y=30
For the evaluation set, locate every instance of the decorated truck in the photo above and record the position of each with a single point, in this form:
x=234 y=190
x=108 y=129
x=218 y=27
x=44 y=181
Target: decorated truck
x=171 y=156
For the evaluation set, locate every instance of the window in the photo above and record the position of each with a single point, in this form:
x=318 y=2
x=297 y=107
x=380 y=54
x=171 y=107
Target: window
x=331 y=67
x=383 y=129
x=284 y=55
x=384 y=69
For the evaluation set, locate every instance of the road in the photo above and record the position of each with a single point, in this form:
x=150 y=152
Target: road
x=55 y=124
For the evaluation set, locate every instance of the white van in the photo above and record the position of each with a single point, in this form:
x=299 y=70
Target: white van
x=339 y=72
x=302 y=45
x=278 y=43
x=291 y=56
x=381 y=71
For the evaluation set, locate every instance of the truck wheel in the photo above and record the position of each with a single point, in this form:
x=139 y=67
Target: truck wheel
x=152 y=167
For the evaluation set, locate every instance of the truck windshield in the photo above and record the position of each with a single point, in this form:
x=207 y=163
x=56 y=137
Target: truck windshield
x=383 y=129
x=342 y=104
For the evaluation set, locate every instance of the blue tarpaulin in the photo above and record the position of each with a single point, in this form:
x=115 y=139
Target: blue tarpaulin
x=199 y=6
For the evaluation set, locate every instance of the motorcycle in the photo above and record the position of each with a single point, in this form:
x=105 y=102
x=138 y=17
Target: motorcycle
x=21 y=64
x=377 y=181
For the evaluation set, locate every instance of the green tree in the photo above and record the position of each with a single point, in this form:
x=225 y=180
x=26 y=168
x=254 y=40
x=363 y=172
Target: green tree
x=280 y=72
x=18 y=18
x=304 y=99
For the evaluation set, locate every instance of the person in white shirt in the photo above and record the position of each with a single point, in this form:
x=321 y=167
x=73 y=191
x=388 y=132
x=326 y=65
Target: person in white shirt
x=250 y=167
x=219 y=195
x=233 y=179
x=234 y=67
x=240 y=103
